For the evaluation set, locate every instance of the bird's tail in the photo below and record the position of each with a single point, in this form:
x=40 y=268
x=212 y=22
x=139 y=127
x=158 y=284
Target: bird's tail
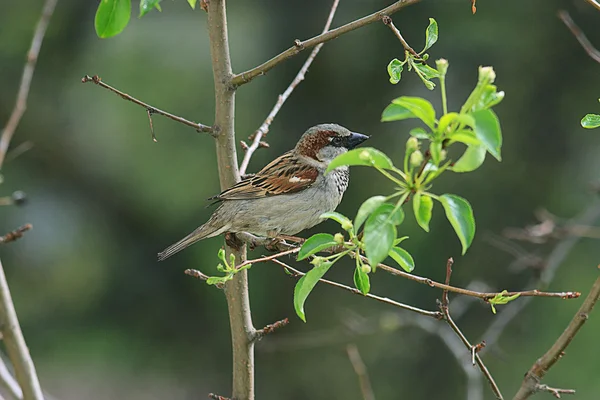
x=203 y=232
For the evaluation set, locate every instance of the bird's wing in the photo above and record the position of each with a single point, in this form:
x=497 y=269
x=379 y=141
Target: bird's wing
x=285 y=174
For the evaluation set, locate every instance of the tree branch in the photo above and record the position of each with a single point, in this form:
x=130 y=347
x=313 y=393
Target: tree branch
x=594 y=3
x=16 y=234
x=236 y=290
x=32 y=56
x=264 y=128
x=579 y=35
x=361 y=371
x=445 y=311
x=247 y=76
x=150 y=109
x=388 y=21
x=539 y=369
x=15 y=344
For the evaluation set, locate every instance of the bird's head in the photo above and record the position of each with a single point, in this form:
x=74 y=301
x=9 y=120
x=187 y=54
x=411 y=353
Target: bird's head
x=325 y=142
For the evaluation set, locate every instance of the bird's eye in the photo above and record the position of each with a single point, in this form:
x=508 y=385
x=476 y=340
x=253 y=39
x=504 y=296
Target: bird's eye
x=337 y=141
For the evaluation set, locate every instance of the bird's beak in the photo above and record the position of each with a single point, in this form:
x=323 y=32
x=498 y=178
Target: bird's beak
x=355 y=139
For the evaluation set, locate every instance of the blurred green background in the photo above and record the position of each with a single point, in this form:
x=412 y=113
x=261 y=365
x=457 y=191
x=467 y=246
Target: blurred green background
x=104 y=320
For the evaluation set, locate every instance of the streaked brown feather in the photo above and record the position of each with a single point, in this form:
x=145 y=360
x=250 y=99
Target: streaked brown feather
x=285 y=174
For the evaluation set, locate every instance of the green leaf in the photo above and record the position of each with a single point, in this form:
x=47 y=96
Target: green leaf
x=219 y=280
x=420 y=133
x=306 y=284
x=367 y=207
x=403 y=258
x=147 y=5
x=452 y=117
x=422 y=207
x=361 y=280
x=431 y=34
x=501 y=298
x=489 y=98
x=112 y=17
x=394 y=112
x=427 y=71
x=192 y=3
x=339 y=218
x=364 y=156
x=460 y=214
x=591 y=121
x=465 y=136
x=487 y=130
x=394 y=69
x=471 y=159
x=420 y=108
x=379 y=233
x=400 y=240
x=314 y=244
x=435 y=149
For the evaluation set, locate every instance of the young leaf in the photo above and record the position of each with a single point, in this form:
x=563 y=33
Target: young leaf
x=112 y=17
x=465 y=136
x=489 y=98
x=366 y=209
x=339 y=218
x=361 y=280
x=364 y=156
x=379 y=233
x=460 y=214
x=435 y=149
x=422 y=207
x=419 y=107
x=147 y=5
x=427 y=71
x=394 y=112
x=431 y=34
x=403 y=258
x=501 y=298
x=420 y=133
x=306 y=284
x=471 y=159
x=192 y=3
x=394 y=69
x=400 y=240
x=487 y=130
x=591 y=121
x=452 y=117
x=314 y=244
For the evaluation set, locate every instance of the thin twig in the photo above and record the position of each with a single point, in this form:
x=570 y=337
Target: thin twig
x=388 y=21
x=15 y=344
x=299 y=45
x=445 y=311
x=361 y=371
x=150 y=109
x=264 y=128
x=9 y=383
x=16 y=234
x=594 y=3
x=556 y=392
x=260 y=333
x=543 y=364
x=295 y=272
x=32 y=56
x=579 y=35
x=217 y=397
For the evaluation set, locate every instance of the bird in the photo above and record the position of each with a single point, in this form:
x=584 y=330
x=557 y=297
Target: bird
x=285 y=197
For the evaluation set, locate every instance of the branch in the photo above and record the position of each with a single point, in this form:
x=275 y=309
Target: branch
x=264 y=128
x=32 y=56
x=535 y=374
x=445 y=311
x=594 y=3
x=16 y=234
x=579 y=35
x=261 y=333
x=247 y=76
x=361 y=371
x=15 y=344
x=388 y=21
x=149 y=109
x=296 y=273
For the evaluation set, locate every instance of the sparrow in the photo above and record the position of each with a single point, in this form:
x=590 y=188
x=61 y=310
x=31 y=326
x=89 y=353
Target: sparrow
x=285 y=197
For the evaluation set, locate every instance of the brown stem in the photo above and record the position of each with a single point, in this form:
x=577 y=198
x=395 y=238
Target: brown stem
x=361 y=371
x=150 y=109
x=236 y=290
x=594 y=3
x=32 y=56
x=579 y=35
x=264 y=128
x=535 y=374
x=247 y=76
x=388 y=21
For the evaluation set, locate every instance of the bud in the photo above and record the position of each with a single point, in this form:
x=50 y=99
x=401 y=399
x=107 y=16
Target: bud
x=365 y=155
x=317 y=261
x=347 y=225
x=442 y=66
x=487 y=74
x=443 y=155
x=416 y=158
x=221 y=254
x=412 y=144
x=366 y=268
x=339 y=238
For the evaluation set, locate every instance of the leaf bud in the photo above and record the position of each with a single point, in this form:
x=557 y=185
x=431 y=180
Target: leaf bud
x=412 y=144
x=339 y=238
x=416 y=158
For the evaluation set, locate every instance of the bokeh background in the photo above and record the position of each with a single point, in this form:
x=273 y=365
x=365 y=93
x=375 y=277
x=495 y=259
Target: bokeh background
x=104 y=320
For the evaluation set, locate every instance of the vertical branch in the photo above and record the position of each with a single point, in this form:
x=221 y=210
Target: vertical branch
x=15 y=344
x=236 y=290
